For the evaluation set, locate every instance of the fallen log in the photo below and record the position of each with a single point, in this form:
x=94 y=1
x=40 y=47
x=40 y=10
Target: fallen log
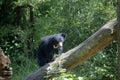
x=79 y=54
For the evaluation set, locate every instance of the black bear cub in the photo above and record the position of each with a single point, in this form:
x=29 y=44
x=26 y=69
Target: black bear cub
x=49 y=46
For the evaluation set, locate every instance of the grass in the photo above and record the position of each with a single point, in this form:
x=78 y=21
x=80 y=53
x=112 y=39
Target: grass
x=21 y=71
x=30 y=65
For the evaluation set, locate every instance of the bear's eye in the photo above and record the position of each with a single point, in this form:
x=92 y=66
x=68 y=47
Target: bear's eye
x=59 y=45
x=55 y=46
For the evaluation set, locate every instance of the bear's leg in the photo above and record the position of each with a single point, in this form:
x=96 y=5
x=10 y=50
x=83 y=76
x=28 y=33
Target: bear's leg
x=42 y=61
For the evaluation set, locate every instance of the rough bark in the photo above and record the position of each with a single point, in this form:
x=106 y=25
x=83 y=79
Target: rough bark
x=5 y=70
x=79 y=54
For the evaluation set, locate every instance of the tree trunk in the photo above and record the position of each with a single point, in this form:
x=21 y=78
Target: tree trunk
x=79 y=54
x=5 y=70
x=118 y=36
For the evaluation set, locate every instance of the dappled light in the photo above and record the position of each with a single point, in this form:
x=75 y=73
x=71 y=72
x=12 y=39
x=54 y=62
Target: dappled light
x=24 y=23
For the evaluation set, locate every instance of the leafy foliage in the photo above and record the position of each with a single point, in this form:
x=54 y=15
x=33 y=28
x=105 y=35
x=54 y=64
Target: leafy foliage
x=78 y=18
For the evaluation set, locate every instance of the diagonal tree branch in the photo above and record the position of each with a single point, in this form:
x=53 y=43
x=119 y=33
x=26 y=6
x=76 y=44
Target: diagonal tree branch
x=79 y=54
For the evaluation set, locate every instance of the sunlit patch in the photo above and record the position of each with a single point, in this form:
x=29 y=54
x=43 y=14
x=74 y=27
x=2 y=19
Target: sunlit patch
x=60 y=44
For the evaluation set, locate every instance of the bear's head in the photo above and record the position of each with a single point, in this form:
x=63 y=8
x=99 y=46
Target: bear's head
x=58 y=39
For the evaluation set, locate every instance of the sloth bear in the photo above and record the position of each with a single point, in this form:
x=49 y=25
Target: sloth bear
x=49 y=46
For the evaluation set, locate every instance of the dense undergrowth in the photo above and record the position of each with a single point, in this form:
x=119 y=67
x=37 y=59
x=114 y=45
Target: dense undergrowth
x=78 y=18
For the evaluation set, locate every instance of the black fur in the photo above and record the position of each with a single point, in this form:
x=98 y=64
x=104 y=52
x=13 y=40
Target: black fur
x=46 y=50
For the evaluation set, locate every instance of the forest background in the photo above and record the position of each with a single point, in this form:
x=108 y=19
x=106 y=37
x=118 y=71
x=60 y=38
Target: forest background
x=23 y=23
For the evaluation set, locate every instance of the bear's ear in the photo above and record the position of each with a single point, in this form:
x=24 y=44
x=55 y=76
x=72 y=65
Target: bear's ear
x=64 y=35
